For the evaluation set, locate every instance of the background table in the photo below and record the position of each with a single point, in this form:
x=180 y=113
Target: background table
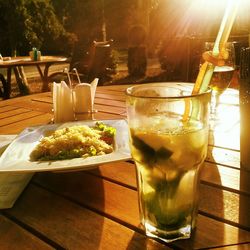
x=97 y=209
x=16 y=62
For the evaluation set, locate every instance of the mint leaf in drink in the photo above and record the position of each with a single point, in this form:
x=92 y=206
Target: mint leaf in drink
x=163 y=153
x=160 y=215
x=171 y=221
x=147 y=152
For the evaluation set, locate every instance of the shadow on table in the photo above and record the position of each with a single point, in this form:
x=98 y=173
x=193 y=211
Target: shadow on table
x=139 y=241
x=67 y=208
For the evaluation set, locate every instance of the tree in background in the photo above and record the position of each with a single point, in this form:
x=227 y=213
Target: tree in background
x=31 y=23
x=56 y=26
x=45 y=29
x=13 y=27
x=83 y=18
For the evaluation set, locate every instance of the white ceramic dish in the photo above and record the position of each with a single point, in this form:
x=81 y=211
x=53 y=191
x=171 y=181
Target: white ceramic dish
x=16 y=158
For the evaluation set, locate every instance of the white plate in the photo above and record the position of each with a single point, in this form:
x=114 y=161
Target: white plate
x=16 y=157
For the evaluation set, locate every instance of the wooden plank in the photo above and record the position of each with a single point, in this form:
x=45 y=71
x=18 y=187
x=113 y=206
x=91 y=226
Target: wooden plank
x=12 y=101
x=100 y=104
x=212 y=202
x=126 y=176
x=115 y=90
x=41 y=95
x=228 y=178
x=15 y=237
x=223 y=156
x=209 y=230
x=225 y=139
x=113 y=103
x=215 y=175
x=74 y=227
x=46 y=99
x=35 y=106
x=19 y=118
x=18 y=126
x=13 y=112
x=109 y=109
x=6 y=108
x=228 y=136
x=235 y=247
x=119 y=88
x=107 y=116
x=120 y=203
x=224 y=205
x=101 y=101
x=112 y=96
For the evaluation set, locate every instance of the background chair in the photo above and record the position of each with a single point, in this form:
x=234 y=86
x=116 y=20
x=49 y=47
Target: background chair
x=98 y=62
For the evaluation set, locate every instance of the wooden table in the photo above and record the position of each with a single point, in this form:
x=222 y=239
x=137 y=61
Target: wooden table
x=15 y=62
x=97 y=209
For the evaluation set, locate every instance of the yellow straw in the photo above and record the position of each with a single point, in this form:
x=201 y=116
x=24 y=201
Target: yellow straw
x=202 y=82
x=207 y=68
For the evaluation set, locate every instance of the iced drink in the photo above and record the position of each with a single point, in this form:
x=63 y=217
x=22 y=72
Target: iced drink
x=168 y=152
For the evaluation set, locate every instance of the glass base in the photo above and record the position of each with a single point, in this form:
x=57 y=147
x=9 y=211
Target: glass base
x=168 y=236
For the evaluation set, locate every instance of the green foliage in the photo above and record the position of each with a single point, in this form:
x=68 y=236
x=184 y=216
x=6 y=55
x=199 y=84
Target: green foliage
x=31 y=23
x=65 y=25
x=13 y=18
x=83 y=18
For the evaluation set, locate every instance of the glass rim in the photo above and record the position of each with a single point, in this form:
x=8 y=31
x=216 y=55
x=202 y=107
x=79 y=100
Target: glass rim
x=128 y=91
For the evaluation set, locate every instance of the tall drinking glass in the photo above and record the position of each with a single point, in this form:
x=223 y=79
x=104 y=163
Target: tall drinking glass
x=168 y=140
x=222 y=75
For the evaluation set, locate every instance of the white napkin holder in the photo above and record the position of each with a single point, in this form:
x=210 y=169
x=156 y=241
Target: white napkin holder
x=63 y=103
x=67 y=101
x=84 y=96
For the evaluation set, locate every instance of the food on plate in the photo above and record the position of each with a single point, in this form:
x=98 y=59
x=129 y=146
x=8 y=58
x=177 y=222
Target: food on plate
x=75 y=142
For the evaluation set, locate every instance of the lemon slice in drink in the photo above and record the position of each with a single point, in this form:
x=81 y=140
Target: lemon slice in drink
x=154 y=140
